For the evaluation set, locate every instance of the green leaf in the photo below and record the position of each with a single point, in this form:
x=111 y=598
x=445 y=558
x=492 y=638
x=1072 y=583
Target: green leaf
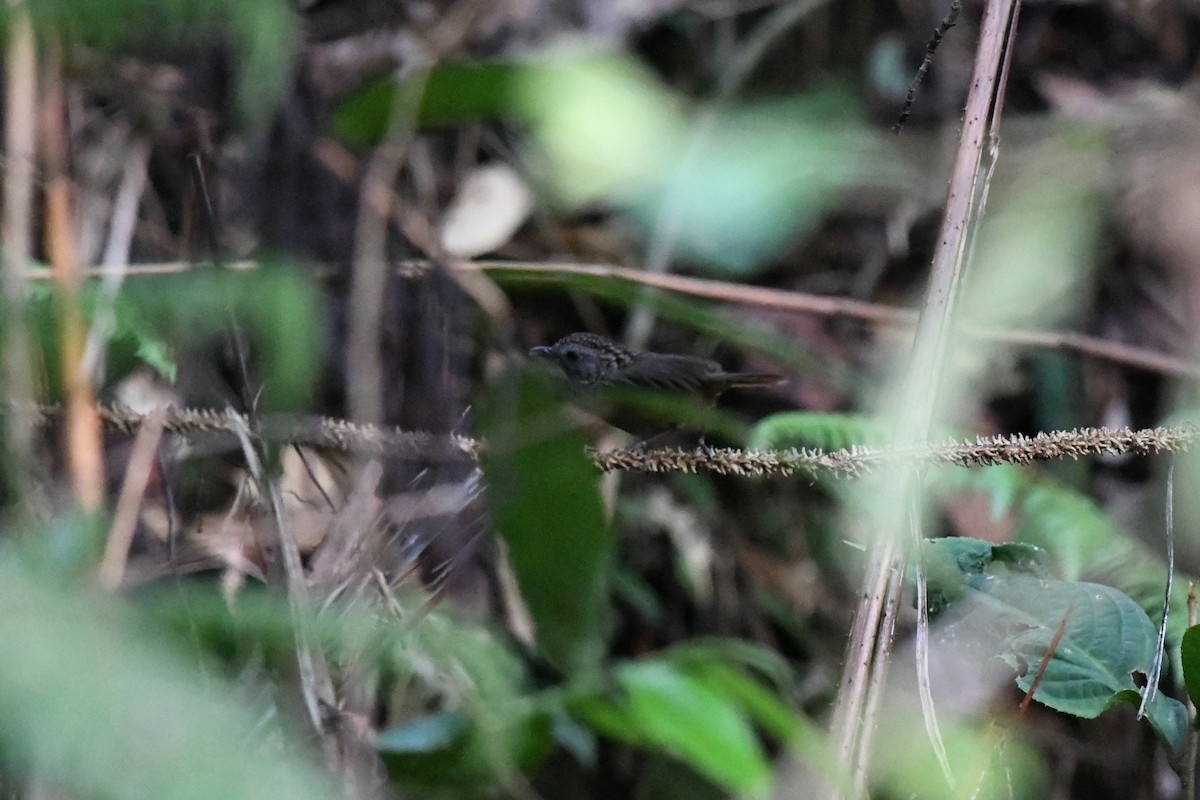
x=449 y=749
x=96 y=707
x=826 y=431
x=1190 y=655
x=604 y=712
x=1081 y=539
x=453 y=94
x=491 y=724
x=263 y=34
x=276 y=304
x=745 y=182
x=703 y=727
x=546 y=498
x=425 y=735
x=956 y=562
x=157 y=355
x=1108 y=644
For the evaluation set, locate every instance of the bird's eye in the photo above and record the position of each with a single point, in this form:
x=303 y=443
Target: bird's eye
x=571 y=355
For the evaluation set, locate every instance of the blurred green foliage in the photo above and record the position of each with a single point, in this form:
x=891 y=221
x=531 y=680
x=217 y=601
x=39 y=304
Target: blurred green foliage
x=116 y=699
x=277 y=307
x=94 y=704
x=264 y=35
x=1190 y=658
x=546 y=500
x=731 y=187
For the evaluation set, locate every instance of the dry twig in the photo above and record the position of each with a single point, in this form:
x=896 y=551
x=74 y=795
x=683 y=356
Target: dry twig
x=852 y=462
x=20 y=141
x=137 y=476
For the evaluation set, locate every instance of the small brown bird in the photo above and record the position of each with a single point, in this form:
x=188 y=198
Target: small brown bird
x=588 y=360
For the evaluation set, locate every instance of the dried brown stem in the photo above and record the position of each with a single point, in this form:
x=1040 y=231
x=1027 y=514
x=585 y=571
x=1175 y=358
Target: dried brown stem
x=137 y=476
x=84 y=453
x=765 y=298
x=368 y=279
x=20 y=138
x=854 y=722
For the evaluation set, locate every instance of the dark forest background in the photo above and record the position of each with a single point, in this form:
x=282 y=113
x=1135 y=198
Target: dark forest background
x=367 y=552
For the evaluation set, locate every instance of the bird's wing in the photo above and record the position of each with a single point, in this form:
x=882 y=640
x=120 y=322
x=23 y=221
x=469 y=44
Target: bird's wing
x=667 y=372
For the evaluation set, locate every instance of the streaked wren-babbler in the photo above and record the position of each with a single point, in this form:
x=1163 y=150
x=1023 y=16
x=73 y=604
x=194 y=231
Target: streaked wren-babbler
x=599 y=368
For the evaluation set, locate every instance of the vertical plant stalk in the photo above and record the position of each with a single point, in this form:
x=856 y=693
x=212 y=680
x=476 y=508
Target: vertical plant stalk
x=870 y=647
x=20 y=138
x=368 y=280
x=82 y=439
x=1160 y=649
x=115 y=263
x=137 y=476
x=316 y=683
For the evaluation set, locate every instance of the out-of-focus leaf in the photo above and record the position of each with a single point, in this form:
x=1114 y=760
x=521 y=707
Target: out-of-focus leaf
x=734 y=669
x=604 y=711
x=264 y=34
x=155 y=353
x=606 y=128
x=681 y=714
x=826 y=431
x=278 y=306
x=96 y=708
x=1034 y=258
x=1002 y=483
x=425 y=735
x=747 y=182
x=453 y=93
x=447 y=749
x=575 y=739
x=545 y=494
x=694 y=705
x=492 y=723
x=68 y=549
x=734 y=186
x=988 y=764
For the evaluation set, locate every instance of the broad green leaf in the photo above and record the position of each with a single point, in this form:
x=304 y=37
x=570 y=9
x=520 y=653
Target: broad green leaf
x=453 y=93
x=1081 y=539
x=703 y=727
x=1107 y=647
x=545 y=495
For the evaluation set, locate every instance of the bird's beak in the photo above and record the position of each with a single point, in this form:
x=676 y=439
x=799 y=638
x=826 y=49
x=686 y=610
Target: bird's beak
x=542 y=351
